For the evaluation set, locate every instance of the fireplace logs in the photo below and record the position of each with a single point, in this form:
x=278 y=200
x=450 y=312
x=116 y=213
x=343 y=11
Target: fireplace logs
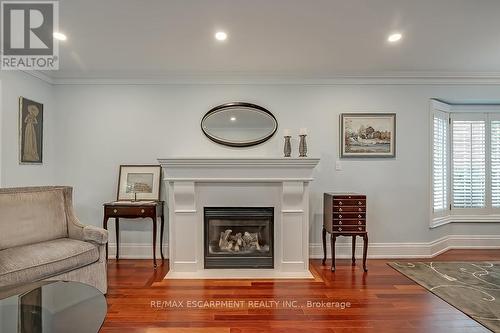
x=248 y=242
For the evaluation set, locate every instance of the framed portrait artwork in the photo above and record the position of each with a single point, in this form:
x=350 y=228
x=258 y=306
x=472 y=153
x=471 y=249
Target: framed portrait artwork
x=139 y=182
x=30 y=131
x=367 y=135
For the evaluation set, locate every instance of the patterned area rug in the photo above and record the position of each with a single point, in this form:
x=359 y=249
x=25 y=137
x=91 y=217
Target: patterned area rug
x=471 y=287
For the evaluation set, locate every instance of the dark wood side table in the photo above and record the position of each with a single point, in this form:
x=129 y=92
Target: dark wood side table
x=133 y=210
x=344 y=214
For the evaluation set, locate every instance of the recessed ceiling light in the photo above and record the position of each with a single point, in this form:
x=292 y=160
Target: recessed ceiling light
x=394 y=37
x=220 y=35
x=59 y=36
x=233 y=118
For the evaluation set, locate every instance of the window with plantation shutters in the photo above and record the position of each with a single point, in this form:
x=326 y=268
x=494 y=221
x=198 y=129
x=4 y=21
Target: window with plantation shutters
x=495 y=162
x=439 y=161
x=469 y=163
x=465 y=159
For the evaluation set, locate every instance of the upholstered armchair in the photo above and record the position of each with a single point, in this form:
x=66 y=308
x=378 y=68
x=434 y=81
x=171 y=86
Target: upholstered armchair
x=42 y=239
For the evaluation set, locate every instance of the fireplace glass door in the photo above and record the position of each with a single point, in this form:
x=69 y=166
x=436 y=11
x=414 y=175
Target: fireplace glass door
x=239 y=237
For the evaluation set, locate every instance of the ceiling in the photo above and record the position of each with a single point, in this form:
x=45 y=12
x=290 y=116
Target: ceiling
x=307 y=38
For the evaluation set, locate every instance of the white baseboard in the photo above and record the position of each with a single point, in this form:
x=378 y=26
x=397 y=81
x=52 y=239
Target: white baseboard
x=343 y=250
x=136 y=251
x=409 y=250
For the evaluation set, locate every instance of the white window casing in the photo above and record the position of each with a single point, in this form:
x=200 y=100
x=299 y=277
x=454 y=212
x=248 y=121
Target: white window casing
x=465 y=163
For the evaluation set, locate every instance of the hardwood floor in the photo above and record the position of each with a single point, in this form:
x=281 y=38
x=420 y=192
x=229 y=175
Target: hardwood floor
x=381 y=300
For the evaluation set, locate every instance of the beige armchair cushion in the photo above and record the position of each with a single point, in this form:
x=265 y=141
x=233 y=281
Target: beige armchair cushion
x=31 y=217
x=95 y=234
x=41 y=260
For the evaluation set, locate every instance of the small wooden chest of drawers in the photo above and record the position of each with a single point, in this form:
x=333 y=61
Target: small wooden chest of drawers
x=345 y=212
x=344 y=215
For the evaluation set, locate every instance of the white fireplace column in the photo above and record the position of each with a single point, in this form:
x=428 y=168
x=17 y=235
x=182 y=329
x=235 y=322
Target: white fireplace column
x=183 y=212
x=195 y=183
x=294 y=227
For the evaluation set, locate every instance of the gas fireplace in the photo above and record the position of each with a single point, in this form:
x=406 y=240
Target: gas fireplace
x=239 y=237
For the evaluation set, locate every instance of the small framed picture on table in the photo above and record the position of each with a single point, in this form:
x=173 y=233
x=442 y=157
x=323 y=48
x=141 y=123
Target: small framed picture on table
x=139 y=183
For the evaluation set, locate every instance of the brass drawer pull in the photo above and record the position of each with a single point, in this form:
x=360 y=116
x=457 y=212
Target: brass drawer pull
x=359 y=209
x=340 y=216
x=360 y=203
x=115 y=211
x=359 y=216
x=340 y=209
x=360 y=228
x=340 y=203
x=359 y=222
x=340 y=229
x=142 y=211
x=340 y=222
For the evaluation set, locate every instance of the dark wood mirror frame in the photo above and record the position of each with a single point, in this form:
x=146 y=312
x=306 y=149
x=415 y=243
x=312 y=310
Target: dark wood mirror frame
x=239 y=104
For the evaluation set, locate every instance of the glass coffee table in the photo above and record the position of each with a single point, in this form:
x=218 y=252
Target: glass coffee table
x=52 y=306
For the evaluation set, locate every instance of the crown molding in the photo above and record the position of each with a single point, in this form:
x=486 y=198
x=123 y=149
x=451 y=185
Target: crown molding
x=383 y=78
x=39 y=75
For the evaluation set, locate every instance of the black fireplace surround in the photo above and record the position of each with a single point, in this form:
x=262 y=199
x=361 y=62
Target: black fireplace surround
x=237 y=237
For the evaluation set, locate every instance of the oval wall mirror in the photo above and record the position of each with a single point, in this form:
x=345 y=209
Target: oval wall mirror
x=239 y=124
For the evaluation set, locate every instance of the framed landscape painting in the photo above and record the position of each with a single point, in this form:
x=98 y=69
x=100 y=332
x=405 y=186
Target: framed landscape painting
x=367 y=135
x=139 y=182
x=30 y=131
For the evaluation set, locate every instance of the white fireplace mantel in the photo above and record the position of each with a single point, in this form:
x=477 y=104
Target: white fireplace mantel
x=238 y=169
x=195 y=183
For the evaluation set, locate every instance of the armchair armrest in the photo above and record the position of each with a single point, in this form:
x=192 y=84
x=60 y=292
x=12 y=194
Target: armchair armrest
x=77 y=230
x=95 y=234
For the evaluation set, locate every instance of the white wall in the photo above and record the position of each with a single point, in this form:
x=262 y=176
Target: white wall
x=13 y=85
x=100 y=127
x=89 y=130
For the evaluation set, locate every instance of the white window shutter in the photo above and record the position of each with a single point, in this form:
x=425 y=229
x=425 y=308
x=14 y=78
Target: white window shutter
x=469 y=163
x=495 y=163
x=440 y=161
